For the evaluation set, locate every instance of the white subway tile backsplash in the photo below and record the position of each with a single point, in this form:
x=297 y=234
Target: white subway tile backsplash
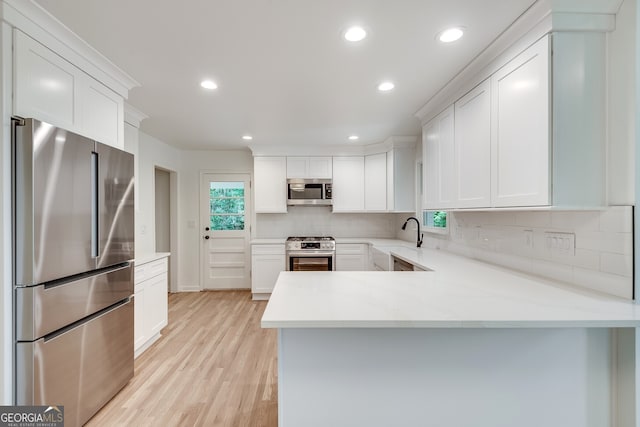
x=617 y=243
x=621 y=265
x=617 y=219
x=536 y=219
x=575 y=220
x=602 y=259
x=554 y=270
x=603 y=282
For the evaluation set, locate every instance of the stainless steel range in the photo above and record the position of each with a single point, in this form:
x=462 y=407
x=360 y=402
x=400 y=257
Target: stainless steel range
x=311 y=254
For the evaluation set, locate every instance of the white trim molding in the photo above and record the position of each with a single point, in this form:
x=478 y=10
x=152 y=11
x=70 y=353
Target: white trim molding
x=36 y=22
x=133 y=116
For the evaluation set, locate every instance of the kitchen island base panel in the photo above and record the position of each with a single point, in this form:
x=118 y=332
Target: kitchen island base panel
x=446 y=377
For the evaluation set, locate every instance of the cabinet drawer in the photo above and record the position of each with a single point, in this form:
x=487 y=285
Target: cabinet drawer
x=267 y=249
x=351 y=248
x=150 y=269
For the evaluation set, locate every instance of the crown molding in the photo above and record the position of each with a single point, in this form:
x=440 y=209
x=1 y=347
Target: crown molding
x=37 y=23
x=336 y=150
x=541 y=18
x=133 y=116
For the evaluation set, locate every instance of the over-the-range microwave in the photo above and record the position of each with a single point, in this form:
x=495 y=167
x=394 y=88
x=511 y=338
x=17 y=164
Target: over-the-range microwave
x=309 y=192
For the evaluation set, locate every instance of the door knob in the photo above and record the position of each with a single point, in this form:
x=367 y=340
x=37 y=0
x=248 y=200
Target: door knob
x=206 y=237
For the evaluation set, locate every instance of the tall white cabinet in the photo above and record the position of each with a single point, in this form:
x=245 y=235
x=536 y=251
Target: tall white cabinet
x=348 y=184
x=520 y=124
x=438 y=159
x=473 y=148
x=375 y=182
x=270 y=184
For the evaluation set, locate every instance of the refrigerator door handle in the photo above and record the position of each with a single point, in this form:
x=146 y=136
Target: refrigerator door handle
x=95 y=248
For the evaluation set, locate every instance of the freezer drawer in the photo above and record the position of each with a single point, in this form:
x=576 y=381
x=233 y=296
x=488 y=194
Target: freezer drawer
x=82 y=368
x=43 y=309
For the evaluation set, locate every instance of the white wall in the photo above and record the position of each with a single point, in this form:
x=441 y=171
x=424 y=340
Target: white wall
x=320 y=221
x=189 y=235
x=163 y=209
x=621 y=106
x=152 y=153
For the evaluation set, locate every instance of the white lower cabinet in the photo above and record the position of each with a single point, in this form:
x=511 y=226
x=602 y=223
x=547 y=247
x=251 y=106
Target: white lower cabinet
x=267 y=261
x=150 y=302
x=352 y=257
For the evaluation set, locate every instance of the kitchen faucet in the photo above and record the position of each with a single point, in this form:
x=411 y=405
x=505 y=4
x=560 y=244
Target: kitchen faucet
x=420 y=236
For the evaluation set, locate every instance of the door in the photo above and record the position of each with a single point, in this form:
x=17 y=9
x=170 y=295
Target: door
x=226 y=216
x=473 y=147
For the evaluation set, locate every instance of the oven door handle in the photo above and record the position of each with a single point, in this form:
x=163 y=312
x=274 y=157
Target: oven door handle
x=310 y=254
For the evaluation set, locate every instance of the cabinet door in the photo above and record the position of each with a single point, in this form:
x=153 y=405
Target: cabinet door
x=520 y=129
x=320 y=167
x=473 y=148
x=297 y=167
x=351 y=263
x=265 y=270
x=44 y=84
x=157 y=303
x=438 y=161
x=348 y=184
x=375 y=182
x=102 y=113
x=140 y=328
x=270 y=184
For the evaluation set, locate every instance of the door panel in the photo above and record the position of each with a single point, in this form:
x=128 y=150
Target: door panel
x=53 y=203
x=226 y=217
x=116 y=214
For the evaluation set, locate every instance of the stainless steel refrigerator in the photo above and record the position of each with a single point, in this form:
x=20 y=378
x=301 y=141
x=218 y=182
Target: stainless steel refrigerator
x=73 y=277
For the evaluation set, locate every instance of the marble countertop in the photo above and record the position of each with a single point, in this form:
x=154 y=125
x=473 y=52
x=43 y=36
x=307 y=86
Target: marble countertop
x=268 y=241
x=459 y=293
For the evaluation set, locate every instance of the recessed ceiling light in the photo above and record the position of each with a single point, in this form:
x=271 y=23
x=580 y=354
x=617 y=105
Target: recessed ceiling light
x=355 y=34
x=209 y=84
x=247 y=137
x=450 y=34
x=385 y=86
x=353 y=137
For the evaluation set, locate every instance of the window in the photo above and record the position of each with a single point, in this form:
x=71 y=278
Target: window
x=226 y=205
x=435 y=221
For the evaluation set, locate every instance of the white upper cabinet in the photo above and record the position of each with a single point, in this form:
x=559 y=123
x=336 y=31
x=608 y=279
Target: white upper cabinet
x=270 y=184
x=49 y=88
x=520 y=142
x=533 y=134
x=309 y=167
x=102 y=113
x=401 y=166
x=473 y=148
x=438 y=160
x=348 y=184
x=375 y=182
x=44 y=84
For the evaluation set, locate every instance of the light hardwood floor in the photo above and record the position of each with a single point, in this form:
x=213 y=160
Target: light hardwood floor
x=214 y=366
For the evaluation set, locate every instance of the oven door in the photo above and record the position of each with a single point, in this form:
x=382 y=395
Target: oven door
x=311 y=261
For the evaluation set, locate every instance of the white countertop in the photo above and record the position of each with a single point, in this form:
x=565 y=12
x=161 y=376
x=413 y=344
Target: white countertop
x=143 y=259
x=459 y=293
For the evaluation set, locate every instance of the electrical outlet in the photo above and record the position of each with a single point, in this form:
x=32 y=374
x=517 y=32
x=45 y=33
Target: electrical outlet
x=528 y=238
x=560 y=243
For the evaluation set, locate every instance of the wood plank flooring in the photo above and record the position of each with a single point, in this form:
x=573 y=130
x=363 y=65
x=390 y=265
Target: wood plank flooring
x=214 y=366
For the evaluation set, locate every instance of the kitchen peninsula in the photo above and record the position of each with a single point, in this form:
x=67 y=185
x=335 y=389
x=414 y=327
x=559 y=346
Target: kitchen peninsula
x=467 y=344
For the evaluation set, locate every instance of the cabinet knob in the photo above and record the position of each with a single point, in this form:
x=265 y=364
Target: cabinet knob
x=207 y=229
x=206 y=237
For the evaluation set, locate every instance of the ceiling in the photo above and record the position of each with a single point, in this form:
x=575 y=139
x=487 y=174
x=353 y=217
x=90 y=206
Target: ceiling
x=285 y=74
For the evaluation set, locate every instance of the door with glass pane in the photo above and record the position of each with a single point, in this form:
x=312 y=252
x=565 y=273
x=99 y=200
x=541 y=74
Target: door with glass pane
x=225 y=222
